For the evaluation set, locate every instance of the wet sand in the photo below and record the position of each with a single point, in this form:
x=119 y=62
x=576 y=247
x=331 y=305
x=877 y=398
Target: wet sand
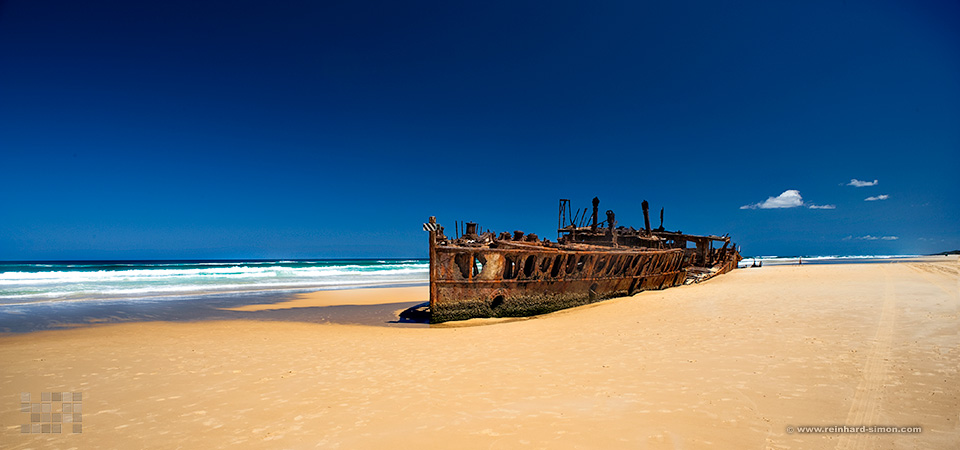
x=364 y=306
x=730 y=363
x=344 y=297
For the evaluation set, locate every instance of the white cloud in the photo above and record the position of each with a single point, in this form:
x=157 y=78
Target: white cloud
x=857 y=183
x=879 y=197
x=788 y=199
x=873 y=238
x=823 y=206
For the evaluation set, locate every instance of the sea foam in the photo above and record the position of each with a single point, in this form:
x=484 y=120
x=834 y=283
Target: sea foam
x=22 y=283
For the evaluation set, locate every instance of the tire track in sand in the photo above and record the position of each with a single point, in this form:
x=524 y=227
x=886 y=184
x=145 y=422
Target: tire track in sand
x=865 y=409
x=944 y=270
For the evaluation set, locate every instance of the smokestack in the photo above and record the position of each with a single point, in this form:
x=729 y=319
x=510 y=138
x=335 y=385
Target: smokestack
x=596 y=205
x=646 y=215
x=471 y=230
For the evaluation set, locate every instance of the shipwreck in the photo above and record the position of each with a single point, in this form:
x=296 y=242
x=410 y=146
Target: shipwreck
x=478 y=273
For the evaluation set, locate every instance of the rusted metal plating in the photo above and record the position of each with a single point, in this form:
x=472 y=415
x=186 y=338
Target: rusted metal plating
x=488 y=275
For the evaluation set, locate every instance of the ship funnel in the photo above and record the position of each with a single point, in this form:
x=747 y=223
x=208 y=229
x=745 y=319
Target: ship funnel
x=596 y=208
x=646 y=215
x=471 y=229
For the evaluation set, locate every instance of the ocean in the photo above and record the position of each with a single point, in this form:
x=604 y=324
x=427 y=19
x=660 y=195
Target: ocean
x=24 y=283
x=53 y=295
x=61 y=294
x=831 y=259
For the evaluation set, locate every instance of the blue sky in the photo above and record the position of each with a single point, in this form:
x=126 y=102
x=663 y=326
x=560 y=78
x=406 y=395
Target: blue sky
x=192 y=129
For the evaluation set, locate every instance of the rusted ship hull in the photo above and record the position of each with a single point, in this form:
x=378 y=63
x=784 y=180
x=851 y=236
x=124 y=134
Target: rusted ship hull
x=468 y=283
x=479 y=274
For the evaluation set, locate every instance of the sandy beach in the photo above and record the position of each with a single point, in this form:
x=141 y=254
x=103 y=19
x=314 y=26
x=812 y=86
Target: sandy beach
x=730 y=363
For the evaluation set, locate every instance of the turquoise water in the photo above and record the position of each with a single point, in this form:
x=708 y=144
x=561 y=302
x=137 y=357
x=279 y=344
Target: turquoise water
x=41 y=282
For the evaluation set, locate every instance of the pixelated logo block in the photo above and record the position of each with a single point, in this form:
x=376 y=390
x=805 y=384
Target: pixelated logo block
x=51 y=412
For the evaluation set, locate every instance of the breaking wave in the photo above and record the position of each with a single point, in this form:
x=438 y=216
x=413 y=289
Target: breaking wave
x=64 y=281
